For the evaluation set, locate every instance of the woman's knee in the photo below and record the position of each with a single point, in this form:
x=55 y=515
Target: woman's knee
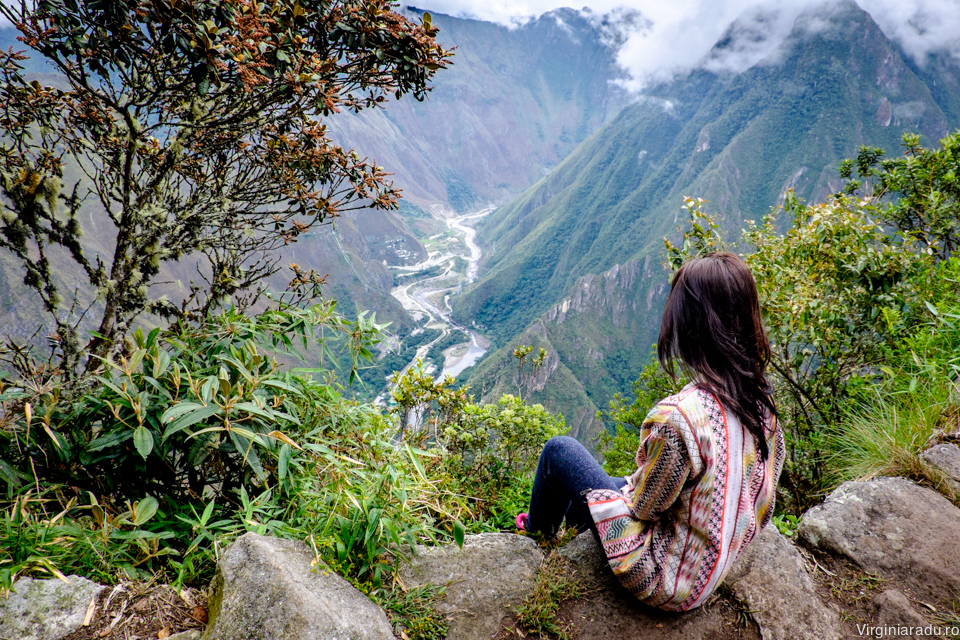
x=559 y=444
x=563 y=450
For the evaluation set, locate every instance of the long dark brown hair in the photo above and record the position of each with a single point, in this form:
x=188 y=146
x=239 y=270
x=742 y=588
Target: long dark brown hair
x=712 y=326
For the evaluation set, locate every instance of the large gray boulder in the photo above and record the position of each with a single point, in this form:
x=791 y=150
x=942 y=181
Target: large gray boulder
x=891 y=526
x=610 y=612
x=486 y=580
x=771 y=578
x=46 y=609
x=268 y=589
x=945 y=458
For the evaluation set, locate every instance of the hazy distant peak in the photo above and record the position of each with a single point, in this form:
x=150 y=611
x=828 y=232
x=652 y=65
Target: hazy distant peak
x=763 y=34
x=618 y=24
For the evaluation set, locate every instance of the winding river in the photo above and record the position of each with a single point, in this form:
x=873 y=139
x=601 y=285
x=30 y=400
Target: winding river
x=430 y=295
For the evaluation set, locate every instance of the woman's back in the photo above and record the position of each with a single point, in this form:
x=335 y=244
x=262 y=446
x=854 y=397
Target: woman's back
x=701 y=493
x=709 y=456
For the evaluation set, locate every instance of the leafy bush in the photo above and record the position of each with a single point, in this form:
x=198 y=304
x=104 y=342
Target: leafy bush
x=916 y=403
x=918 y=192
x=193 y=413
x=488 y=452
x=198 y=435
x=37 y=541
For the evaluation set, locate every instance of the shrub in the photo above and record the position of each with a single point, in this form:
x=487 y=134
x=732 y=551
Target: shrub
x=191 y=413
x=488 y=452
x=917 y=401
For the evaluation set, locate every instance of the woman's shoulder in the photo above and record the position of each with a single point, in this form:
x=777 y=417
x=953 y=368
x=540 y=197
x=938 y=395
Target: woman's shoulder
x=684 y=414
x=692 y=408
x=690 y=397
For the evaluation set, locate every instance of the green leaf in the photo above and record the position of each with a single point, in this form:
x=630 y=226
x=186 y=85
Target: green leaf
x=161 y=364
x=143 y=441
x=9 y=473
x=178 y=410
x=459 y=531
x=207 y=512
x=279 y=384
x=110 y=440
x=195 y=416
x=136 y=359
x=145 y=509
x=283 y=461
x=263 y=412
x=416 y=462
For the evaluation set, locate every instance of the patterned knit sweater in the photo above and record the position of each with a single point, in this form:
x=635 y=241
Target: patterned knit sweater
x=700 y=495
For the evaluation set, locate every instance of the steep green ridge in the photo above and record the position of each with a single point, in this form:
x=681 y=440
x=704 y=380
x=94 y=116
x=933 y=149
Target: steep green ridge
x=737 y=140
x=593 y=337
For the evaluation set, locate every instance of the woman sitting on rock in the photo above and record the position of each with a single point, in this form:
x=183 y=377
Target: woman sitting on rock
x=709 y=456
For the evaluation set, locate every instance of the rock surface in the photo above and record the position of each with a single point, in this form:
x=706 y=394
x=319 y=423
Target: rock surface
x=267 y=589
x=892 y=609
x=945 y=458
x=486 y=580
x=611 y=612
x=891 y=526
x=46 y=609
x=771 y=578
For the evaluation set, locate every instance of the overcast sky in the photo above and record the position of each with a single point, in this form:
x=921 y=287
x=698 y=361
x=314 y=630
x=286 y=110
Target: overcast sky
x=677 y=33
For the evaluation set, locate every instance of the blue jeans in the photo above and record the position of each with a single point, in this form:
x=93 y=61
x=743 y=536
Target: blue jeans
x=565 y=473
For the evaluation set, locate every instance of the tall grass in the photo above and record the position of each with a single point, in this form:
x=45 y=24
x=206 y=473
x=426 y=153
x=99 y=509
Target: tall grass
x=887 y=436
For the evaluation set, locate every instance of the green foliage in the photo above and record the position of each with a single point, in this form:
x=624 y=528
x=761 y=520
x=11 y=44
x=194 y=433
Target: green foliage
x=916 y=403
x=918 y=192
x=101 y=546
x=787 y=524
x=887 y=436
x=489 y=452
x=412 y=613
x=554 y=584
x=234 y=444
x=193 y=412
x=620 y=448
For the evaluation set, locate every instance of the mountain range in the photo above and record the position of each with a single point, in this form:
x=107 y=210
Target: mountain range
x=512 y=105
x=574 y=263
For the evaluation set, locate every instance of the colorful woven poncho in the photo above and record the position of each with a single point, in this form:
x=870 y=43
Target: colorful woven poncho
x=700 y=495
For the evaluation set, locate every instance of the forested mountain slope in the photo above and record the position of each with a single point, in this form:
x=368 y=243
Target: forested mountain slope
x=513 y=104
x=736 y=140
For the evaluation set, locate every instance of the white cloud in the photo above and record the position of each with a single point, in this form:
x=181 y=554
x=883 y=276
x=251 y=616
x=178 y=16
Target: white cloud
x=669 y=37
x=920 y=26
